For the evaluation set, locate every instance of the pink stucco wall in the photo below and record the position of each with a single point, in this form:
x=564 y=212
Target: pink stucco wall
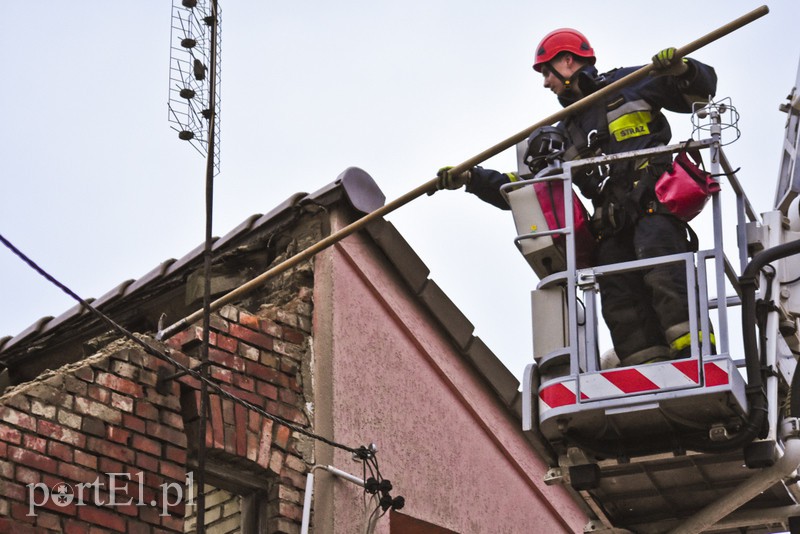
x=444 y=440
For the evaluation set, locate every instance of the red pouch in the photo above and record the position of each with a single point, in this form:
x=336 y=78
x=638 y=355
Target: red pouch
x=685 y=187
x=551 y=200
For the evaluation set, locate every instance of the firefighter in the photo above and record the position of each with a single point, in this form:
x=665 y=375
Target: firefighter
x=646 y=311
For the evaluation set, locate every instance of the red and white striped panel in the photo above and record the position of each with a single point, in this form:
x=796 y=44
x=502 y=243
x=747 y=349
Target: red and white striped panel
x=616 y=383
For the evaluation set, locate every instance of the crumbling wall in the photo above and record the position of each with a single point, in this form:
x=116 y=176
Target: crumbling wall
x=94 y=446
x=75 y=442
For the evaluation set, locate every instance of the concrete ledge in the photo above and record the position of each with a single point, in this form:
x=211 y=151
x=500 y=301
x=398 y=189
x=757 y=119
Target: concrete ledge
x=451 y=318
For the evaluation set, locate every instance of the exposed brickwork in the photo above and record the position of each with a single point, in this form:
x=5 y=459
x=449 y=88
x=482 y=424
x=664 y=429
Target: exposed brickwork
x=103 y=415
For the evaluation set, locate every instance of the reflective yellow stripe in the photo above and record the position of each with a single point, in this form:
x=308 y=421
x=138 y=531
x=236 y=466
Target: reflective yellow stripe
x=630 y=125
x=686 y=340
x=628 y=108
x=512 y=176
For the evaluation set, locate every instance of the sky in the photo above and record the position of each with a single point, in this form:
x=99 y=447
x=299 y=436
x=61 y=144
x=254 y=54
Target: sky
x=98 y=189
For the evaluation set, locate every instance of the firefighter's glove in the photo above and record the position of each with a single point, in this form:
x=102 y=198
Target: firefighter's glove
x=668 y=63
x=448 y=180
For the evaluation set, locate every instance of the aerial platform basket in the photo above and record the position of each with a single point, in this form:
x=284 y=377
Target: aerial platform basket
x=679 y=445
x=573 y=398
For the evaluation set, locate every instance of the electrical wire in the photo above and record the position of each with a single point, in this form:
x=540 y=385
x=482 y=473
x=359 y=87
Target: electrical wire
x=157 y=353
x=374 y=517
x=377 y=486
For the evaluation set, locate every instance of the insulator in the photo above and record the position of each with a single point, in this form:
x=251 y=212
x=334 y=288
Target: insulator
x=398 y=502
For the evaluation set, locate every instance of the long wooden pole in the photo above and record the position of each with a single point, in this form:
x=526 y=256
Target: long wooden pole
x=430 y=186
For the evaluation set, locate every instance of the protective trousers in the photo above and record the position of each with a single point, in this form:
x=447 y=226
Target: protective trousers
x=645 y=309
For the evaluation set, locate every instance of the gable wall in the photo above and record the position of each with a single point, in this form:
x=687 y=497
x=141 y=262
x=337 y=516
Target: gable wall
x=444 y=439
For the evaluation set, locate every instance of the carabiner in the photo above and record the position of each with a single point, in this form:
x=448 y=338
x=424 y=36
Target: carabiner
x=590 y=137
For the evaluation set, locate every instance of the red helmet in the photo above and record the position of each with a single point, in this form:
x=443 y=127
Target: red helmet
x=562 y=40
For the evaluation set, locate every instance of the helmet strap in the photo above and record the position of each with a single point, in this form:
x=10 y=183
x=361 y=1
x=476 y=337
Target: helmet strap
x=567 y=82
x=557 y=74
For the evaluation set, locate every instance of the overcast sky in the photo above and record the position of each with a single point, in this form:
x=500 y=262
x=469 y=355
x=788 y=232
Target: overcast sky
x=98 y=189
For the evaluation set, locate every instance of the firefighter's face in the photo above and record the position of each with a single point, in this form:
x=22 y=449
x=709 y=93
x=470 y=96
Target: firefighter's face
x=566 y=67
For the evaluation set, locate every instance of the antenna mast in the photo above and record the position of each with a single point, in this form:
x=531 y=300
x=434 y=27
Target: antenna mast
x=194 y=102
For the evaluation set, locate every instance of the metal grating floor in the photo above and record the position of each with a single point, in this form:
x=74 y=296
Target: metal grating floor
x=652 y=495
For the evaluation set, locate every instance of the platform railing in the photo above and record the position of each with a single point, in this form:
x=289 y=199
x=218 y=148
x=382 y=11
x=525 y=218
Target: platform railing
x=582 y=324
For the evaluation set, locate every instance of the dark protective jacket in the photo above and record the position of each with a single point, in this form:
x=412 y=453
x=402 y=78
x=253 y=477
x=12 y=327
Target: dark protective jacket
x=630 y=119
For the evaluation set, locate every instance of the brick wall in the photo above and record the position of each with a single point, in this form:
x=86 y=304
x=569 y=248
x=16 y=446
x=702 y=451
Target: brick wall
x=64 y=433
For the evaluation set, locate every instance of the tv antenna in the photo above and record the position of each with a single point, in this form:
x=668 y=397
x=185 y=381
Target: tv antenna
x=194 y=103
x=194 y=74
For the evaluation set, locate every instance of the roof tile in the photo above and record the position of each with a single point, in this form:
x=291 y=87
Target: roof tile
x=112 y=295
x=243 y=228
x=150 y=277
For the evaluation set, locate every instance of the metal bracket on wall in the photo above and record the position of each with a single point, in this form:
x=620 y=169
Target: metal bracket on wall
x=164 y=376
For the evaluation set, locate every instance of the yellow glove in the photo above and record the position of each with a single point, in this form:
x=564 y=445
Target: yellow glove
x=448 y=180
x=667 y=63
